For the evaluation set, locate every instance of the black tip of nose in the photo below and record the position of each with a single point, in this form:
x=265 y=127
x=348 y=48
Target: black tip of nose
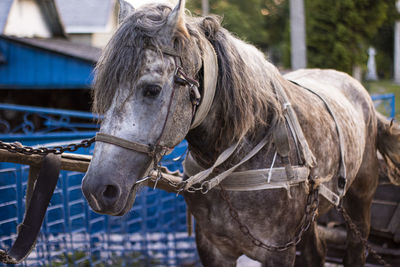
x=111 y=193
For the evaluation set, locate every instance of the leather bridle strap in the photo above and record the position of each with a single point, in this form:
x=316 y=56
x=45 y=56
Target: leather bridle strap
x=110 y=139
x=152 y=150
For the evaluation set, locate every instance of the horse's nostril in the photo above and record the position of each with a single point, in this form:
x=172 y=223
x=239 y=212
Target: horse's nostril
x=111 y=192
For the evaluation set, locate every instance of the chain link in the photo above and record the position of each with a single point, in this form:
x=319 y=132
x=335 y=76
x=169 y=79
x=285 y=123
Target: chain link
x=16 y=148
x=308 y=218
x=363 y=240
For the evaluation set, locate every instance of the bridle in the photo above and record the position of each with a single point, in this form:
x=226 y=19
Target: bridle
x=157 y=151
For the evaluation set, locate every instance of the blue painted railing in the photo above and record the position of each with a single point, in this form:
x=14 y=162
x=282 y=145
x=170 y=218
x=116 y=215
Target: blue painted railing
x=385 y=103
x=152 y=234
x=35 y=125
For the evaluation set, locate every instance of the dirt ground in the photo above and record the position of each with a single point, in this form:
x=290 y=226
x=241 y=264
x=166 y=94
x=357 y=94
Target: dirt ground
x=246 y=262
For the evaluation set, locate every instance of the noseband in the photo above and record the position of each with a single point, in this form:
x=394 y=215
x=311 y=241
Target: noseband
x=156 y=151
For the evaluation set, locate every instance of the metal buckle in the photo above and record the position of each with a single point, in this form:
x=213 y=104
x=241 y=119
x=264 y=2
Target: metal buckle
x=205 y=187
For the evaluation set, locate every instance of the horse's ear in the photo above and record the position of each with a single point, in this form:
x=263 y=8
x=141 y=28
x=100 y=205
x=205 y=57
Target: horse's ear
x=125 y=9
x=176 y=20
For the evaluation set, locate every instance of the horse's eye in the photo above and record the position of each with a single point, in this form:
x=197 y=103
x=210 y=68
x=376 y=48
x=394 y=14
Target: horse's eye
x=152 y=90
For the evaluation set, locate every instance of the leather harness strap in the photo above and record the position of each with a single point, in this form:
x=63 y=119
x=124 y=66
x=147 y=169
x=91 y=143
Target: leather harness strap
x=252 y=180
x=111 y=139
x=271 y=178
x=281 y=140
x=37 y=204
x=342 y=170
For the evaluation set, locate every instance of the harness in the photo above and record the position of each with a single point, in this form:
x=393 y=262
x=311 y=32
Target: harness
x=270 y=178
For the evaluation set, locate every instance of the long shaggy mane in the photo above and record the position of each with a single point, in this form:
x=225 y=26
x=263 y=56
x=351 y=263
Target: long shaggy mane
x=245 y=94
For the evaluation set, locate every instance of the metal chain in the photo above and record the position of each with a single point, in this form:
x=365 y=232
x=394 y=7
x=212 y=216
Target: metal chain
x=363 y=240
x=308 y=218
x=16 y=148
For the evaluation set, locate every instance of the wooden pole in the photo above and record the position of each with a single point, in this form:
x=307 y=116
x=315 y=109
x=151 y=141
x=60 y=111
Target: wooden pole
x=80 y=163
x=205 y=7
x=298 y=34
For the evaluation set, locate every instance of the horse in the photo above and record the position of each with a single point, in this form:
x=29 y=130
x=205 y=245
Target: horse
x=166 y=75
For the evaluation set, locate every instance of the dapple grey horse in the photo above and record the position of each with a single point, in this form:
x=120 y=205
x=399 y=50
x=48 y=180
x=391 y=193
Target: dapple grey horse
x=149 y=81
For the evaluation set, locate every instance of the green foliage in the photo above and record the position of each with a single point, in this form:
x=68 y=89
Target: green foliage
x=243 y=18
x=383 y=41
x=339 y=32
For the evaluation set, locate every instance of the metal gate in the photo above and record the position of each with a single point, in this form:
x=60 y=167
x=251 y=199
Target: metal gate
x=153 y=233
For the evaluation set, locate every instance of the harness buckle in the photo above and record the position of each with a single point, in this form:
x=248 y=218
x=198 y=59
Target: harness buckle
x=205 y=187
x=182 y=79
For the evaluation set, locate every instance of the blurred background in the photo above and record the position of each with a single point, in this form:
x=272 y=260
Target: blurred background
x=359 y=37
x=48 y=50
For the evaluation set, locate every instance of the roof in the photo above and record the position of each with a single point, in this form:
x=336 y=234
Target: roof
x=5 y=6
x=47 y=8
x=52 y=17
x=84 y=16
x=61 y=46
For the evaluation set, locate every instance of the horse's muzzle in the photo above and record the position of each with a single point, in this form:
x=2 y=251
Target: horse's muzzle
x=105 y=198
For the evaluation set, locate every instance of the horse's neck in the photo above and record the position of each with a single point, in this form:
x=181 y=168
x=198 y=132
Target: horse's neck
x=209 y=140
x=212 y=137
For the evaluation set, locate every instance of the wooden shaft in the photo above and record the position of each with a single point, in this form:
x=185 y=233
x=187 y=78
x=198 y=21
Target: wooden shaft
x=69 y=162
x=78 y=163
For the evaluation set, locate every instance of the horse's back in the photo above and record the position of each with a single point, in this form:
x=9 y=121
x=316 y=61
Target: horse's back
x=334 y=85
x=349 y=103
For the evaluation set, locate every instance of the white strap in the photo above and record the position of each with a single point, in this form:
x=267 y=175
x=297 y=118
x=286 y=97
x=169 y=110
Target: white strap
x=210 y=69
x=329 y=195
x=201 y=176
x=257 y=179
x=294 y=125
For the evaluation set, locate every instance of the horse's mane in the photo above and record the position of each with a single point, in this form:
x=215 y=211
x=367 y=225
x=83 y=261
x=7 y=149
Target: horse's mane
x=245 y=92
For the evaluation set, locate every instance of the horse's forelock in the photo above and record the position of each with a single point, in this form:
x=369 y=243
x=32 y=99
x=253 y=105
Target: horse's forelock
x=123 y=56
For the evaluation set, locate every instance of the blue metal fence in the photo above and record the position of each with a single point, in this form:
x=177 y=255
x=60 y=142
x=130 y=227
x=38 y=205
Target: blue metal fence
x=385 y=103
x=153 y=233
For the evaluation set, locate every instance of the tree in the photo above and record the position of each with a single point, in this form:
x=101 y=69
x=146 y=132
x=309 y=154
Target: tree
x=340 y=31
x=243 y=18
x=383 y=41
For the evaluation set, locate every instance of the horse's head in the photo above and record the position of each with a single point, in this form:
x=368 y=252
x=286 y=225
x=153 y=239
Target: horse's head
x=146 y=88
